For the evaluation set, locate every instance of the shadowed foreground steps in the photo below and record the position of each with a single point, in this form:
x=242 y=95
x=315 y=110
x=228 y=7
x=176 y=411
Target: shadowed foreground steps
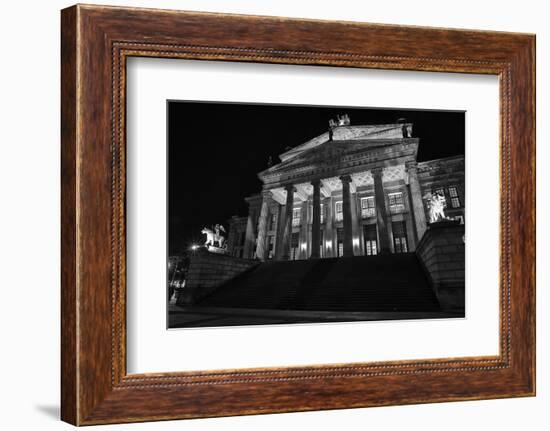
x=383 y=287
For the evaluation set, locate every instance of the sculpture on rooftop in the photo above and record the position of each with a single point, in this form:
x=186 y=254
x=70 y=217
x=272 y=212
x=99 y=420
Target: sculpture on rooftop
x=341 y=120
x=436 y=203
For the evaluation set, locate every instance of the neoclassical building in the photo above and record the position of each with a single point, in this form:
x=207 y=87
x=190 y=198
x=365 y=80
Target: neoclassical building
x=353 y=190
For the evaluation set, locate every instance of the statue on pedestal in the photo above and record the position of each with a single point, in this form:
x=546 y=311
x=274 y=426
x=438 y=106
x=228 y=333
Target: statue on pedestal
x=436 y=203
x=214 y=236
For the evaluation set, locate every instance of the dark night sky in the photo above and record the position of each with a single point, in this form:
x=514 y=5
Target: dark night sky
x=215 y=151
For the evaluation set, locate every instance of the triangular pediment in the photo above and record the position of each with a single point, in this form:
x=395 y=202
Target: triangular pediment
x=352 y=133
x=329 y=153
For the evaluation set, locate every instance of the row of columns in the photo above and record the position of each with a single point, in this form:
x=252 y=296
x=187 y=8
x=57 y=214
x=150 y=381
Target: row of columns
x=348 y=222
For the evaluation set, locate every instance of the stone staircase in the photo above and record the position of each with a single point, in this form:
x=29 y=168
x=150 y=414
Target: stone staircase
x=393 y=282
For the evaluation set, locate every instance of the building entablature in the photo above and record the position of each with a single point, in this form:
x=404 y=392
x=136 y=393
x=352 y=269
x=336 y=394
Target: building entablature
x=433 y=173
x=441 y=166
x=330 y=185
x=334 y=163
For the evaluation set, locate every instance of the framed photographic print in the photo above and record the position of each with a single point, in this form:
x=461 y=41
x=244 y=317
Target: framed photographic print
x=259 y=217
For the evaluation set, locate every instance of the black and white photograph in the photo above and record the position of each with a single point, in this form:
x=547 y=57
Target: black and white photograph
x=284 y=214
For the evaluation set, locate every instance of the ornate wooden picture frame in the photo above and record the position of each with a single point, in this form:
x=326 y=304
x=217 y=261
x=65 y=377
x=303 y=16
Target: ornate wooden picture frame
x=96 y=41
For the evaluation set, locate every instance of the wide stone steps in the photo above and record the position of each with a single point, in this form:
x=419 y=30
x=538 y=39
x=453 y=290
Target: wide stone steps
x=364 y=283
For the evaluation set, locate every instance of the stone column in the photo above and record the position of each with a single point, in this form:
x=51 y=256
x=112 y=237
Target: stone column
x=316 y=220
x=410 y=221
x=287 y=229
x=416 y=197
x=262 y=226
x=328 y=239
x=381 y=212
x=346 y=208
x=231 y=240
x=355 y=225
x=302 y=236
x=279 y=232
x=249 y=238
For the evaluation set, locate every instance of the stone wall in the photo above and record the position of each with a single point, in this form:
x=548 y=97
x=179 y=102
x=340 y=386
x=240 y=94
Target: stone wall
x=236 y=236
x=441 y=251
x=207 y=271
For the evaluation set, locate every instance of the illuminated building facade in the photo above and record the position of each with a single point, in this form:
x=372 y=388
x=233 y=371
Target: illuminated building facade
x=351 y=191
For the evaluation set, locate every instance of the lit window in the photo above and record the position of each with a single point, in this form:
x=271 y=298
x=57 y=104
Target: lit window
x=270 y=246
x=296 y=217
x=455 y=199
x=397 y=205
x=367 y=207
x=294 y=251
x=340 y=241
x=371 y=248
x=399 y=237
x=370 y=236
x=339 y=210
x=273 y=221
